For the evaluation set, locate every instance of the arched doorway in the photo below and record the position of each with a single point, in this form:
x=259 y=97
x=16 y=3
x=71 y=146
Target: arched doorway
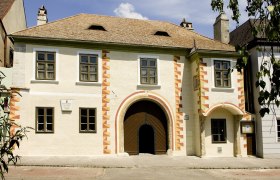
x=146 y=139
x=145 y=129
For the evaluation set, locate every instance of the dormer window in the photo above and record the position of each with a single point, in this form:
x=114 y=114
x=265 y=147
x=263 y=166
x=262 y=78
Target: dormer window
x=96 y=27
x=162 y=33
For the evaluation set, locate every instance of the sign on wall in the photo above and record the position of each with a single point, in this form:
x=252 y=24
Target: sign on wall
x=66 y=104
x=247 y=127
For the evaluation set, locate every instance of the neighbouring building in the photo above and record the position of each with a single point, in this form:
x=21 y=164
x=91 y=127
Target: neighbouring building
x=96 y=85
x=267 y=138
x=12 y=19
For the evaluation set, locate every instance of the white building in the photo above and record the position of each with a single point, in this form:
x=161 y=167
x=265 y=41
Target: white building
x=267 y=139
x=95 y=85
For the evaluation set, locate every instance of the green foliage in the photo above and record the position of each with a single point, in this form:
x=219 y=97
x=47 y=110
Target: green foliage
x=266 y=27
x=8 y=139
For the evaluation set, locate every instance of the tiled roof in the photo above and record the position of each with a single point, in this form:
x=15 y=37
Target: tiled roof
x=243 y=34
x=5 y=5
x=122 y=31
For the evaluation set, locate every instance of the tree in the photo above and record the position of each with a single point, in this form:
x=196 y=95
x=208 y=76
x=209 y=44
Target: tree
x=9 y=137
x=267 y=13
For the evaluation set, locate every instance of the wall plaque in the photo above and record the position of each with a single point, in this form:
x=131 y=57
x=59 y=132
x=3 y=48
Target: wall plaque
x=66 y=104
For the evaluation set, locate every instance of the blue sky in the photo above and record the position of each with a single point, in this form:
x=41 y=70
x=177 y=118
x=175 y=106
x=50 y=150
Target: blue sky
x=196 y=11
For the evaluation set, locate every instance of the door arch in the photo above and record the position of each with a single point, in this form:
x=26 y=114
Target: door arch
x=145 y=114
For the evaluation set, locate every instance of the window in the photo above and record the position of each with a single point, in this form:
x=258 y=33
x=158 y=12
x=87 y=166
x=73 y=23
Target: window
x=96 y=27
x=45 y=65
x=148 y=71
x=88 y=67
x=222 y=74
x=44 y=119
x=162 y=33
x=87 y=120
x=278 y=129
x=218 y=130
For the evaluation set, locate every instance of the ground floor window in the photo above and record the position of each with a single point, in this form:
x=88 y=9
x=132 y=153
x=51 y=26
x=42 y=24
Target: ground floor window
x=44 y=119
x=218 y=130
x=87 y=120
x=278 y=129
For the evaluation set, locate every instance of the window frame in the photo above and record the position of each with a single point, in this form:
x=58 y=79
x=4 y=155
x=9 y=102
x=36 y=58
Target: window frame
x=222 y=70
x=225 y=133
x=45 y=62
x=157 y=77
x=96 y=65
x=45 y=120
x=80 y=119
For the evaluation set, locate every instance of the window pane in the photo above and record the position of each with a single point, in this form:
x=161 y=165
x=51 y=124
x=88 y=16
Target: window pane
x=84 y=68
x=144 y=72
x=41 y=66
x=152 y=73
x=218 y=74
x=93 y=59
x=152 y=80
x=51 y=57
x=93 y=77
x=83 y=119
x=226 y=84
x=50 y=75
x=217 y=65
x=93 y=69
x=91 y=119
x=50 y=67
x=41 y=75
x=49 y=119
x=144 y=63
x=40 y=127
x=144 y=80
x=91 y=112
x=218 y=83
x=49 y=127
x=153 y=63
x=84 y=112
x=83 y=127
x=92 y=127
x=40 y=119
x=40 y=111
x=41 y=56
x=84 y=77
x=225 y=74
x=84 y=59
x=49 y=111
x=225 y=65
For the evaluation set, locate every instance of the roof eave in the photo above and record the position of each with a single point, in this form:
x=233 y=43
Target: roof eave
x=206 y=53
x=107 y=45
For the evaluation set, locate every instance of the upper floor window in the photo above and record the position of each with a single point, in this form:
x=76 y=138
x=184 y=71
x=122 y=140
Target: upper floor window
x=222 y=74
x=278 y=129
x=44 y=119
x=148 y=71
x=218 y=130
x=88 y=120
x=88 y=67
x=45 y=65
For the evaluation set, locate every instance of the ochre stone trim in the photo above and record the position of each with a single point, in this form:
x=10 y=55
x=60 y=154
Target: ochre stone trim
x=203 y=89
x=178 y=96
x=241 y=95
x=14 y=108
x=106 y=101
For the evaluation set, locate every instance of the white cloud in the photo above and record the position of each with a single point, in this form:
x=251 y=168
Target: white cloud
x=127 y=10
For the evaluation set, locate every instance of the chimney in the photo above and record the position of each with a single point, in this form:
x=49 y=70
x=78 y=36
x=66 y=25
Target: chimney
x=42 y=16
x=221 y=28
x=186 y=25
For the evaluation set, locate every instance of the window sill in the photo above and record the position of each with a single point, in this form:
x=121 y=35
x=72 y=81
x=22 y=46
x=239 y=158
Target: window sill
x=44 y=81
x=88 y=83
x=148 y=86
x=216 y=89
